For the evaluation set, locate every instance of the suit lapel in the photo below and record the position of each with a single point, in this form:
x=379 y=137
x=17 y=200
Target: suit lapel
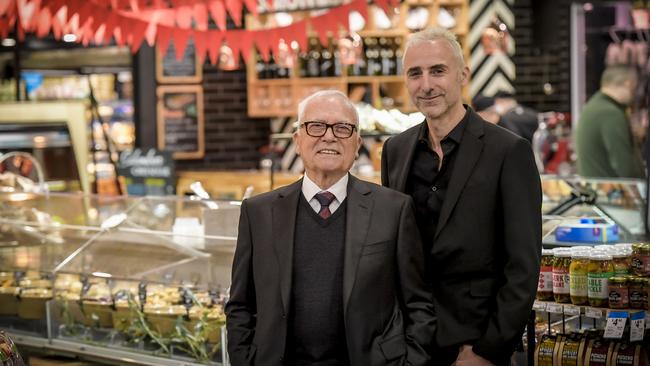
x=284 y=225
x=356 y=228
x=469 y=152
x=404 y=165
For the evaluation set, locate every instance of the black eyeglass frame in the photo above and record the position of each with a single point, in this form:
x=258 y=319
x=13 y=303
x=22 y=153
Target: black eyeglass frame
x=328 y=126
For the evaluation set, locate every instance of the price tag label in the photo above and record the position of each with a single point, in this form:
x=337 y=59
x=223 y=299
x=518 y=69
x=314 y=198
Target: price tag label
x=615 y=324
x=637 y=326
x=539 y=306
x=571 y=310
x=593 y=313
x=554 y=308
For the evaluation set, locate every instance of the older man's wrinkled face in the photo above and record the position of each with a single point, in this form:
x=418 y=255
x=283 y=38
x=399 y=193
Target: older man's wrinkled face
x=331 y=154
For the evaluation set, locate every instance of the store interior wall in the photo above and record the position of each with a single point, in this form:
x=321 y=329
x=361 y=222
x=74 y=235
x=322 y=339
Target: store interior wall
x=542 y=55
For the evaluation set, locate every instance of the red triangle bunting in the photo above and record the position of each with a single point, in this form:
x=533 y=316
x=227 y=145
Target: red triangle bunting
x=215 y=39
x=235 y=10
x=163 y=36
x=184 y=17
x=180 y=37
x=138 y=28
x=110 y=24
x=218 y=13
x=200 y=44
x=262 y=43
x=201 y=16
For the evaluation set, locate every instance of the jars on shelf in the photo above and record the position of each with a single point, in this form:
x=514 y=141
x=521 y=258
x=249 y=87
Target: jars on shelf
x=578 y=277
x=638 y=293
x=641 y=259
x=545 y=284
x=561 y=264
x=600 y=269
x=618 y=293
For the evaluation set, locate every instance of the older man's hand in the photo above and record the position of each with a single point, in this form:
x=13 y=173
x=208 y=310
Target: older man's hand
x=467 y=357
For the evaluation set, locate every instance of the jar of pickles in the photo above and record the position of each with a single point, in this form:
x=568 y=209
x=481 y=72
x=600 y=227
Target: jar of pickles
x=545 y=284
x=618 y=293
x=599 y=270
x=638 y=293
x=621 y=262
x=641 y=259
x=578 y=277
x=561 y=264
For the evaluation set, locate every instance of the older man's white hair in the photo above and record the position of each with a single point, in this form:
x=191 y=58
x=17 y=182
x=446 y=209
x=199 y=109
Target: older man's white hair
x=434 y=34
x=324 y=94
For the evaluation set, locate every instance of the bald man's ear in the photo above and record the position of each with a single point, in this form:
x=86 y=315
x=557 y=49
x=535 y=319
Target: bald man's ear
x=464 y=75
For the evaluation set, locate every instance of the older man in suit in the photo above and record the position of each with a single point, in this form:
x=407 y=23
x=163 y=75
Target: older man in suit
x=478 y=207
x=329 y=270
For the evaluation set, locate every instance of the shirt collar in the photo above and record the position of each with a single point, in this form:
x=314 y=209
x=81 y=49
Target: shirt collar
x=455 y=135
x=338 y=189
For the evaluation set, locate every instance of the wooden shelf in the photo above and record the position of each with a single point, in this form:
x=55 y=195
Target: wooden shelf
x=280 y=97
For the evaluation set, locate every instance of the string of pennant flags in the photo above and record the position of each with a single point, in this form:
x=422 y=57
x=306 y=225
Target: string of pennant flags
x=159 y=22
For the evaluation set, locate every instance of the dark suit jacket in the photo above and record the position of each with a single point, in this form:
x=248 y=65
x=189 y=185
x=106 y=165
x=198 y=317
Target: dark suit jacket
x=388 y=311
x=484 y=262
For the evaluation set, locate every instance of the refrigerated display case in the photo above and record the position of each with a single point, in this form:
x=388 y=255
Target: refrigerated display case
x=129 y=280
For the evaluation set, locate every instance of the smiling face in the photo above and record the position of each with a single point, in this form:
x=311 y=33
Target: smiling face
x=434 y=78
x=327 y=158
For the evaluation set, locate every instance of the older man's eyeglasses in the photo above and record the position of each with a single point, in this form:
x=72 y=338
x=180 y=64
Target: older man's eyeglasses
x=341 y=130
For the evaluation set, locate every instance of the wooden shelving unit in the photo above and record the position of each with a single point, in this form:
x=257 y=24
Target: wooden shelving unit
x=280 y=97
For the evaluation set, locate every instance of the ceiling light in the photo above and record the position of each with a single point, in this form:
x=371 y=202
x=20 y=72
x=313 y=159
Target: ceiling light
x=69 y=38
x=8 y=42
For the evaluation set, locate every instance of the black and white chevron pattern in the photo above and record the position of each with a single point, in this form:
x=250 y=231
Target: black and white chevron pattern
x=490 y=73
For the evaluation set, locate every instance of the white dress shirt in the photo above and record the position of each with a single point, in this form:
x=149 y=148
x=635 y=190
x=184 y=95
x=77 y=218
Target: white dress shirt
x=339 y=190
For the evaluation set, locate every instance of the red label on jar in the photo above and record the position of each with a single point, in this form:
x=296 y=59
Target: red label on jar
x=560 y=281
x=545 y=283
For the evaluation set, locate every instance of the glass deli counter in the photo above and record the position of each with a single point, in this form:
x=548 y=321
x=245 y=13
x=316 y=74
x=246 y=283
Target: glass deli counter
x=120 y=279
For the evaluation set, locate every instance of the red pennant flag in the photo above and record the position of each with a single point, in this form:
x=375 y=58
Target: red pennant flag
x=341 y=17
x=184 y=17
x=215 y=39
x=262 y=41
x=150 y=33
x=163 y=36
x=200 y=44
x=44 y=23
x=251 y=5
x=57 y=28
x=235 y=40
x=85 y=13
x=4 y=28
x=138 y=28
x=4 y=9
x=119 y=34
x=235 y=10
x=73 y=8
x=99 y=18
x=110 y=24
x=201 y=16
x=298 y=33
x=180 y=37
x=322 y=25
x=218 y=13
x=134 y=5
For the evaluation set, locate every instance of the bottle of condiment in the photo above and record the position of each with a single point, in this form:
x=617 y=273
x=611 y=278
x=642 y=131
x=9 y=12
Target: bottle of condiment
x=578 y=277
x=545 y=284
x=621 y=262
x=600 y=269
x=618 y=293
x=638 y=293
x=561 y=263
x=641 y=259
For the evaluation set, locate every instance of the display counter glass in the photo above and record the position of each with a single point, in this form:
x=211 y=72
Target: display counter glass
x=140 y=278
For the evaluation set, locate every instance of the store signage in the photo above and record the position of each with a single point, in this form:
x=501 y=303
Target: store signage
x=615 y=324
x=637 y=326
x=554 y=308
x=571 y=310
x=593 y=313
x=149 y=172
x=180 y=126
x=539 y=306
x=172 y=70
x=293 y=5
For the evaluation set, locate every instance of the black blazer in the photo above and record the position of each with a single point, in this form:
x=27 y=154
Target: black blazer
x=484 y=262
x=388 y=311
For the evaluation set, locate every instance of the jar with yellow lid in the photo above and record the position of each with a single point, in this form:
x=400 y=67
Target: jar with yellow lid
x=618 y=293
x=561 y=264
x=600 y=269
x=621 y=262
x=578 y=277
x=545 y=284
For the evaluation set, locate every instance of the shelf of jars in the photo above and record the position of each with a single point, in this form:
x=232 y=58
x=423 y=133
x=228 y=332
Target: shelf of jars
x=366 y=63
x=592 y=305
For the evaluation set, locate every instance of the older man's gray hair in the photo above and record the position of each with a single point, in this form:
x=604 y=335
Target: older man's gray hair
x=323 y=94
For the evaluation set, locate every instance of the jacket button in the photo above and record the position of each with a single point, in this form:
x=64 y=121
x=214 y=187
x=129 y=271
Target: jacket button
x=434 y=188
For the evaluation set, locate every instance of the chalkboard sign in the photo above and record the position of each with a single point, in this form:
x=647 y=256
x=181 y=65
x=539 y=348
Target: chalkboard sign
x=147 y=173
x=180 y=127
x=187 y=70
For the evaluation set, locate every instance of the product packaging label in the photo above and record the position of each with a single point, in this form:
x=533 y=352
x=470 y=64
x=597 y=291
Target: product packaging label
x=561 y=281
x=578 y=284
x=597 y=285
x=545 y=283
